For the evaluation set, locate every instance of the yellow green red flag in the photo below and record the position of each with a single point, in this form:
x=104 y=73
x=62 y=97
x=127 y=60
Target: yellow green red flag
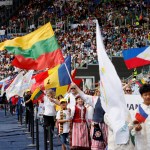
x=37 y=50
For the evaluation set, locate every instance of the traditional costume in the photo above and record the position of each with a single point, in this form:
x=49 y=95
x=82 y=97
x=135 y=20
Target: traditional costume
x=92 y=100
x=80 y=136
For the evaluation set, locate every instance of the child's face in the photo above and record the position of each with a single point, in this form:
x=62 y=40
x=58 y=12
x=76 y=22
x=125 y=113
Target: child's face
x=80 y=101
x=63 y=105
x=146 y=98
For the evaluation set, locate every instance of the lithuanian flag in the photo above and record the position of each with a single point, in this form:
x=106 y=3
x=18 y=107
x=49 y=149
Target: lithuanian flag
x=37 y=50
x=37 y=95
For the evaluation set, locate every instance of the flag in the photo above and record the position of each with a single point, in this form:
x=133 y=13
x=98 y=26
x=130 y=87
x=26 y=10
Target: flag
x=8 y=82
x=37 y=95
x=37 y=50
x=140 y=82
x=14 y=88
x=62 y=90
x=38 y=79
x=60 y=75
x=136 y=57
x=112 y=93
x=26 y=83
x=73 y=76
x=3 y=82
x=141 y=115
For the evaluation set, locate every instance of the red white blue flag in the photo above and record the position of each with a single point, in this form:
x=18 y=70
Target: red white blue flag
x=136 y=57
x=141 y=115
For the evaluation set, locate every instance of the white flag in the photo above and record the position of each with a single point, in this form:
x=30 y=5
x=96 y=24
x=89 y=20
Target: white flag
x=26 y=83
x=14 y=88
x=4 y=83
x=112 y=92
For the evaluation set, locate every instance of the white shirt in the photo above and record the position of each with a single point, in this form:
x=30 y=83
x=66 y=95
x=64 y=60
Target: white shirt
x=40 y=110
x=142 y=138
x=66 y=116
x=111 y=139
x=72 y=100
x=90 y=112
x=49 y=107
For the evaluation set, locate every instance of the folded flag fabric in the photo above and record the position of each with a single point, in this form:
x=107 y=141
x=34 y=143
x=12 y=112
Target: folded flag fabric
x=38 y=79
x=141 y=115
x=15 y=86
x=26 y=83
x=136 y=57
x=60 y=75
x=37 y=50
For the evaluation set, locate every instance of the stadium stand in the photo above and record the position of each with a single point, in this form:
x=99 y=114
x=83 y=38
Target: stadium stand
x=124 y=24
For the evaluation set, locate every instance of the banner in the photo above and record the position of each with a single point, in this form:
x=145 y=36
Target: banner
x=132 y=103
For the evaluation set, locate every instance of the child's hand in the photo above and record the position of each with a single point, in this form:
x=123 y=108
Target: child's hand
x=135 y=122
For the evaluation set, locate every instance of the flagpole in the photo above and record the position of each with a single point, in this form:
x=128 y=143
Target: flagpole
x=68 y=72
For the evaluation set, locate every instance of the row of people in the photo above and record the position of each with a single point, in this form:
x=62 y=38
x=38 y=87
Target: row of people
x=74 y=115
x=81 y=111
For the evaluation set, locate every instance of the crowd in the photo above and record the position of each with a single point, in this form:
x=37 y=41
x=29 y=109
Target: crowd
x=123 y=25
x=6 y=69
x=79 y=116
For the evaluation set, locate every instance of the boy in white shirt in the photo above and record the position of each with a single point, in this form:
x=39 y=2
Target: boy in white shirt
x=63 y=118
x=141 y=129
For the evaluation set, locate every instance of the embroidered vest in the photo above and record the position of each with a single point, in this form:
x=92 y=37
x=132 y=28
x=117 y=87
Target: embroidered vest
x=77 y=115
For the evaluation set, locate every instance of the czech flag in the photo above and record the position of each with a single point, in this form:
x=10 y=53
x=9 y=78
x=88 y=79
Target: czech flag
x=136 y=57
x=141 y=115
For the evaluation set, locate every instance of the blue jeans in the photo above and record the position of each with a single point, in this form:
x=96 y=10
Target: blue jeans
x=64 y=137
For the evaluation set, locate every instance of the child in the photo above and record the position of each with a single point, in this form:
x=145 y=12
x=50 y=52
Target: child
x=80 y=136
x=141 y=123
x=63 y=119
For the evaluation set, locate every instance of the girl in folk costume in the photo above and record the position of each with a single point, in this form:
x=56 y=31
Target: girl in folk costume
x=80 y=136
